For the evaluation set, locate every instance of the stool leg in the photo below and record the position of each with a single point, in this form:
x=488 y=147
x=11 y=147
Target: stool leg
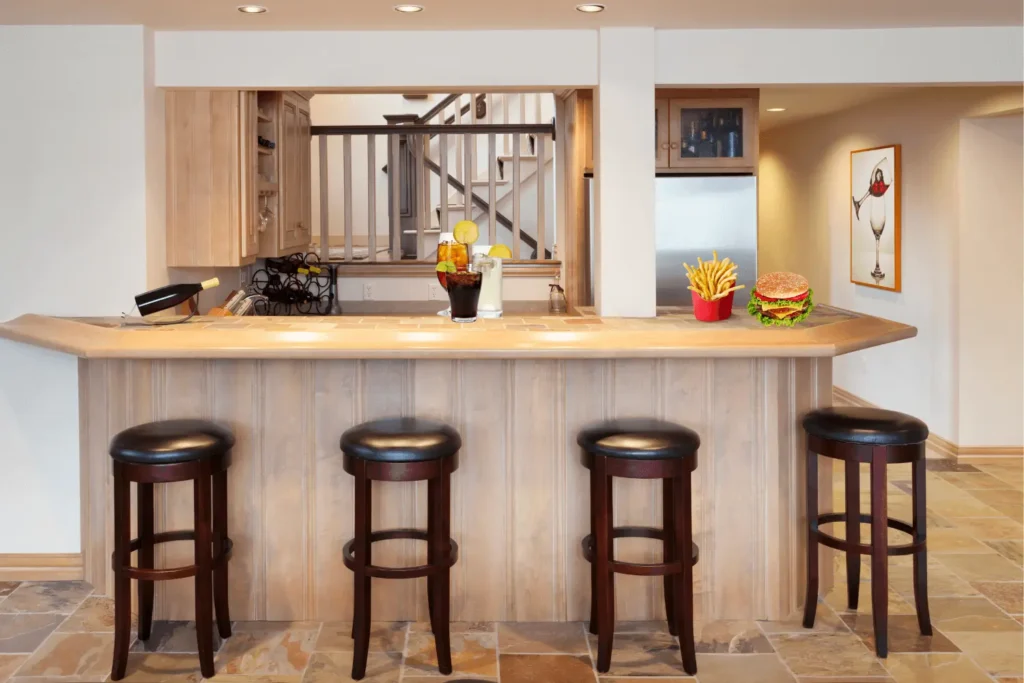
x=811 y=599
x=602 y=556
x=879 y=558
x=593 y=564
x=204 y=571
x=441 y=514
x=144 y=511
x=669 y=555
x=920 y=558
x=220 y=574
x=852 y=485
x=361 y=591
x=122 y=583
x=432 y=520
x=682 y=525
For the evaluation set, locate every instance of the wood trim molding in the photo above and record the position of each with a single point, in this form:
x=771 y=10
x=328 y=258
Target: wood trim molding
x=41 y=567
x=943 y=447
x=546 y=269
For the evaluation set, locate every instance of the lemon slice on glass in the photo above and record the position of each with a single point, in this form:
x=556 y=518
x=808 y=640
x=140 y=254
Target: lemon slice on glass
x=466 y=232
x=500 y=251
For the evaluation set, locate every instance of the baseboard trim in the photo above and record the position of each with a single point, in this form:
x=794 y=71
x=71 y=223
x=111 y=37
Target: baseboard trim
x=943 y=447
x=41 y=567
x=991 y=452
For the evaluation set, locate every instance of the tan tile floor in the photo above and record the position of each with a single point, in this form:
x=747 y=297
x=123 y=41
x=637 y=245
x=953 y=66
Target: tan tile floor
x=58 y=633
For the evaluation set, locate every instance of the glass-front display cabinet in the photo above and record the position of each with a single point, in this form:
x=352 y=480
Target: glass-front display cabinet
x=706 y=135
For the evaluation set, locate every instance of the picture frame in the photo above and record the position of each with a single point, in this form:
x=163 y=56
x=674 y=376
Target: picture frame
x=876 y=186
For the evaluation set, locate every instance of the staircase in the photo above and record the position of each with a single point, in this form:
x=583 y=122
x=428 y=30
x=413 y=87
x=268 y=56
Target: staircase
x=475 y=110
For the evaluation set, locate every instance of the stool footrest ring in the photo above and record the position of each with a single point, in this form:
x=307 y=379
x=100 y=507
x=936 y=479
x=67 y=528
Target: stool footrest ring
x=142 y=574
x=865 y=549
x=636 y=568
x=377 y=572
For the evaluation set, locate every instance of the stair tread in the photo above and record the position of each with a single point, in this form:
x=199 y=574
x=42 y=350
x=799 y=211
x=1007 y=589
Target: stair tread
x=522 y=157
x=486 y=183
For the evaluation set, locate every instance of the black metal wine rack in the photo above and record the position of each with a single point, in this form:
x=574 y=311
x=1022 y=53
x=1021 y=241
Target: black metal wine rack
x=295 y=285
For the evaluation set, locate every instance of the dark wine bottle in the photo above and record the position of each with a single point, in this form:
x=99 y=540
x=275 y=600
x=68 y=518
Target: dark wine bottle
x=169 y=296
x=692 y=141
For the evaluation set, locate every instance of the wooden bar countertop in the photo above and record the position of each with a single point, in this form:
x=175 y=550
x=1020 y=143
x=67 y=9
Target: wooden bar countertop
x=674 y=333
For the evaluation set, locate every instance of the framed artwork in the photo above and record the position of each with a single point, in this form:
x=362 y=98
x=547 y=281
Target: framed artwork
x=875 y=187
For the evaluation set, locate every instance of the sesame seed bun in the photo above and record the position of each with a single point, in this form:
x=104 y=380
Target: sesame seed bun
x=781 y=285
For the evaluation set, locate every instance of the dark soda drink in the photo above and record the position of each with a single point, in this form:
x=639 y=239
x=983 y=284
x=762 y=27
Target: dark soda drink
x=464 y=294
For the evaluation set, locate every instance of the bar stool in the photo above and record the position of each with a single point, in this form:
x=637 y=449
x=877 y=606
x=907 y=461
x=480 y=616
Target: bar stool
x=159 y=453
x=880 y=438
x=641 y=449
x=402 y=449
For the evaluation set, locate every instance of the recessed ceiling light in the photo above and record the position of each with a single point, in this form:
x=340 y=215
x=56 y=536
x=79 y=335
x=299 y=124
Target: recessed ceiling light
x=409 y=9
x=590 y=8
x=251 y=9
x=774 y=109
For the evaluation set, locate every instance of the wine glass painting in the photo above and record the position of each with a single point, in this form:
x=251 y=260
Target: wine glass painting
x=875 y=217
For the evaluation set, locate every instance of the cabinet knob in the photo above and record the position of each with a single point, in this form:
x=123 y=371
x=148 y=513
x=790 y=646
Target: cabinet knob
x=674 y=145
x=665 y=145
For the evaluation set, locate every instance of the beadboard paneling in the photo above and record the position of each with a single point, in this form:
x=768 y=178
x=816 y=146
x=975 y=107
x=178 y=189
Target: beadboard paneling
x=520 y=498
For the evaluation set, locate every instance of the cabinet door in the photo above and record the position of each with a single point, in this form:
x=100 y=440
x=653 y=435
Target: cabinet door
x=291 y=179
x=204 y=195
x=248 y=173
x=713 y=134
x=662 y=143
x=295 y=158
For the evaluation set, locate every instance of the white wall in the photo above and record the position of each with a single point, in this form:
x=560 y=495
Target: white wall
x=990 y=249
x=73 y=190
x=804 y=226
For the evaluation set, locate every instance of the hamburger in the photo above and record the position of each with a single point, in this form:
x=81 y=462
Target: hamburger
x=781 y=299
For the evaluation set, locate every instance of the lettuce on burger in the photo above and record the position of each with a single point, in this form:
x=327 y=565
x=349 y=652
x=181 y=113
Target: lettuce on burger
x=781 y=299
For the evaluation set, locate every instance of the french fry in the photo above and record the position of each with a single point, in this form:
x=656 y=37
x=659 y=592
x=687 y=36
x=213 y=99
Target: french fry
x=714 y=279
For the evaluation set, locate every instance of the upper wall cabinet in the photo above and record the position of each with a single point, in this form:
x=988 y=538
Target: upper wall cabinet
x=238 y=176
x=705 y=134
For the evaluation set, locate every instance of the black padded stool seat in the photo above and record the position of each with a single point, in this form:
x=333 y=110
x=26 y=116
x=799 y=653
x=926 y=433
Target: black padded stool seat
x=639 y=438
x=869 y=426
x=171 y=441
x=401 y=439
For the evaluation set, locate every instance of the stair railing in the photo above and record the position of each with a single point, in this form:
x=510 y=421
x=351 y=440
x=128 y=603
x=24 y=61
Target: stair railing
x=409 y=189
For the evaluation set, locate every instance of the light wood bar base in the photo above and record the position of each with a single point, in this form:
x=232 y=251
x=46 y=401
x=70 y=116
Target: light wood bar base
x=519 y=498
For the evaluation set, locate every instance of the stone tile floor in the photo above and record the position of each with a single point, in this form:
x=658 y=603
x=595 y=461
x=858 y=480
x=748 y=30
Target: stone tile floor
x=59 y=633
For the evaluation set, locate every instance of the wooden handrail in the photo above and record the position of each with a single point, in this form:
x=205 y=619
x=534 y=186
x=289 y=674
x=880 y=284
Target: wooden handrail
x=453 y=129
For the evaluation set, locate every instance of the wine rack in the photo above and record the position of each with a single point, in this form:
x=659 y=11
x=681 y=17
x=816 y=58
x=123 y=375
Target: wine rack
x=298 y=284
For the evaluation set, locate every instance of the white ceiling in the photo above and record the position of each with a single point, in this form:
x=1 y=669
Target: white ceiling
x=806 y=102
x=494 y=14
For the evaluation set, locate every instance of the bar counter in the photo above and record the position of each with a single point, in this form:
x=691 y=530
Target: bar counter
x=517 y=389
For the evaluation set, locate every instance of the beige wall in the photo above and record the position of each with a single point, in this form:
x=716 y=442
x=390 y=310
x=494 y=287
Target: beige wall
x=804 y=226
x=990 y=348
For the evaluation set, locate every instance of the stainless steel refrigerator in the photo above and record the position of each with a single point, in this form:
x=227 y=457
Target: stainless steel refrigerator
x=693 y=216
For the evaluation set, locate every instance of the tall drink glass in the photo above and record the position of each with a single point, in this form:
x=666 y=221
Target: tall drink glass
x=464 y=295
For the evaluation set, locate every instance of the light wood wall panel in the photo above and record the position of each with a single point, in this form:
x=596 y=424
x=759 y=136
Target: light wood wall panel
x=520 y=500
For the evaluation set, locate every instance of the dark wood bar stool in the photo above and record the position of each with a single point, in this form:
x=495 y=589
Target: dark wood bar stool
x=641 y=449
x=880 y=438
x=159 y=453
x=402 y=449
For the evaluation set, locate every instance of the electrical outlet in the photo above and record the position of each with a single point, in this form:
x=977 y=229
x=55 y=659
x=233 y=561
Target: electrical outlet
x=435 y=292
x=367 y=291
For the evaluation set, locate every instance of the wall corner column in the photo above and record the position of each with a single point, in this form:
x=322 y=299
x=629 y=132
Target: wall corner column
x=624 y=250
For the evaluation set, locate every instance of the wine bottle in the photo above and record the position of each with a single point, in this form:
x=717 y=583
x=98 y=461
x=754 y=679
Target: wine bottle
x=705 y=148
x=169 y=296
x=692 y=140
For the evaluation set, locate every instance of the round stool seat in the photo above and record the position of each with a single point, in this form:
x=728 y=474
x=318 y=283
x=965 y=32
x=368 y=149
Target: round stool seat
x=866 y=426
x=401 y=439
x=171 y=441
x=639 y=438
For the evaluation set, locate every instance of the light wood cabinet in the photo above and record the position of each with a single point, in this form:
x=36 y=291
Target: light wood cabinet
x=219 y=178
x=706 y=131
x=211 y=192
